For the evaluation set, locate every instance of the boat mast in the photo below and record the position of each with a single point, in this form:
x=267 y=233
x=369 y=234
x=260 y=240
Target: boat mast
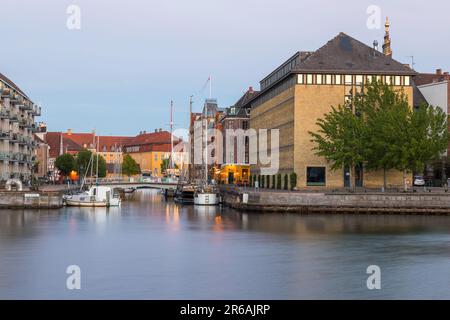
x=96 y=175
x=190 y=164
x=171 y=139
x=93 y=144
x=206 y=143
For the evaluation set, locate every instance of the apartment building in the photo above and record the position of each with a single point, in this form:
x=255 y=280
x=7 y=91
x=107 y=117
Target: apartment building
x=17 y=125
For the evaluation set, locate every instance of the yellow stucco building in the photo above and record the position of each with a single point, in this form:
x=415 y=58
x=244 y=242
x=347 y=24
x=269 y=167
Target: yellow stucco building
x=149 y=150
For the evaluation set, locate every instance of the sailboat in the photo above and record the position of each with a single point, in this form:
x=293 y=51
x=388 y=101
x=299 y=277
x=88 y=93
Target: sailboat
x=96 y=196
x=206 y=194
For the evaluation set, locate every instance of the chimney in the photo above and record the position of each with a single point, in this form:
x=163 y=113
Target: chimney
x=375 y=45
x=69 y=132
x=439 y=72
x=156 y=130
x=250 y=89
x=387 y=40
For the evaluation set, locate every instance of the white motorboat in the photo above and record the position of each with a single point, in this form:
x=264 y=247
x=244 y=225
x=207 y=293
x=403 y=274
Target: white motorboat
x=206 y=199
x=206 y=196
x=96 y=197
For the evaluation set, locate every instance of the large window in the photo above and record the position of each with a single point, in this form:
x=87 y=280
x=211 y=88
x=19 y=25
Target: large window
x=315 y=176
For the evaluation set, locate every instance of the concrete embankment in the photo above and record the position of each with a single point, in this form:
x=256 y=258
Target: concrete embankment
x=337 y=202
x=31 y=199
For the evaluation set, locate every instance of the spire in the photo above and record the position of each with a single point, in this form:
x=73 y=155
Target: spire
x=387 y=40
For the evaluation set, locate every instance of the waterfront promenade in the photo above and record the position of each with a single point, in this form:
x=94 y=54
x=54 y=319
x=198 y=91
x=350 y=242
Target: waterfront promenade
x=417 y=201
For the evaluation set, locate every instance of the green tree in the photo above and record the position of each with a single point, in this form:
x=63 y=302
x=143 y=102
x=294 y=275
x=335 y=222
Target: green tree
x=83 y=158
x=65 y=164
x=102 y=166
x=165 y=165
x=428 y=137
x=293 y=180
x=386 y=114
x=129 y=166
x=380 y=131
x=340 y=138
x=84 y=164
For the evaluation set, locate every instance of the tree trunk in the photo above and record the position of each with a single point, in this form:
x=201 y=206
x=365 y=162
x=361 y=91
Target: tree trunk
x=352 y=176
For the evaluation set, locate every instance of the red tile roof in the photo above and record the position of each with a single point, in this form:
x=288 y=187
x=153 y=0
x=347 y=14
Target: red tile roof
x=150 y=138
x=75 y=142
x=53 y=140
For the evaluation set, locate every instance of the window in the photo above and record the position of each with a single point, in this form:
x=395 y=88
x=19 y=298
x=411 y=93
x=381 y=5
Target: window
x=348 y=79
x=156 y=157
x=315 y=176
x=398 y=80
x=319 y=79
x=300 y=79
x=338 y=79
x=328 y=78
x=407 y=81
x=359 y=80
x=388 y=80
x=309 y=79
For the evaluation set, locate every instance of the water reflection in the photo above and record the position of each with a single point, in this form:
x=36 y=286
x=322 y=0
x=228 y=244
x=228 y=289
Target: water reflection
x=152 y=248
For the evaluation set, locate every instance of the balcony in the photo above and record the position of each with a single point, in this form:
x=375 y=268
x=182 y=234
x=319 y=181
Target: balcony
x=13 y=138
x=16 y=98
x=24 y=123
x=36 y=110
x=26 y=106
x=4 y=156
x=6 y=93
x=5 y=135
x=4 y=114
x=13 y=117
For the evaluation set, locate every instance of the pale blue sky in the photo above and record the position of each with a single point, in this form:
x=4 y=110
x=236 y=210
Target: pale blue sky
x=130 y=58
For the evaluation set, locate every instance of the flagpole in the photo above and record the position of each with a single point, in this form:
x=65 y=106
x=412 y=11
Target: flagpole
x=210 y=85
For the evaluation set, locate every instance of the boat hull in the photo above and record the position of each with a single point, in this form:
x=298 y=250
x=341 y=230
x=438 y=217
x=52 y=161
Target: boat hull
x=206 y=199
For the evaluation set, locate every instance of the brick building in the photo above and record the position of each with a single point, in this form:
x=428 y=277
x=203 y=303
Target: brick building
x=299 y=92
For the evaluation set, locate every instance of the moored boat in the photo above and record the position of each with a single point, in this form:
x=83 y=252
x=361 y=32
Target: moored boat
x=207 y=196
x=185 y=194
x=97 y=196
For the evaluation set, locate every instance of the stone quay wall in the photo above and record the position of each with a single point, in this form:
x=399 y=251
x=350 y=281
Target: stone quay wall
x=335 y=202
x=31 y=199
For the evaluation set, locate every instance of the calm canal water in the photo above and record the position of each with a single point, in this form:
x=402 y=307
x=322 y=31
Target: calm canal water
x=152 y=249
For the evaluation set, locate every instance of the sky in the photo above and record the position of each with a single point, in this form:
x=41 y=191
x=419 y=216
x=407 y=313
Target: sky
x=119 y=71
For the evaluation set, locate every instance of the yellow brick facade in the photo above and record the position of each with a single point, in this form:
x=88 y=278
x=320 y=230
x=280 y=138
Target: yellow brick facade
x=295 y=112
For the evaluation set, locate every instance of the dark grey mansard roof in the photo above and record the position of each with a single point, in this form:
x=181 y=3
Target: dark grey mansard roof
x=348 y=55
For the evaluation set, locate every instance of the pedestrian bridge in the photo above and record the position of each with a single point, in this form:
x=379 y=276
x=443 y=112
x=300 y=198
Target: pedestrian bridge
x=137 y=184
